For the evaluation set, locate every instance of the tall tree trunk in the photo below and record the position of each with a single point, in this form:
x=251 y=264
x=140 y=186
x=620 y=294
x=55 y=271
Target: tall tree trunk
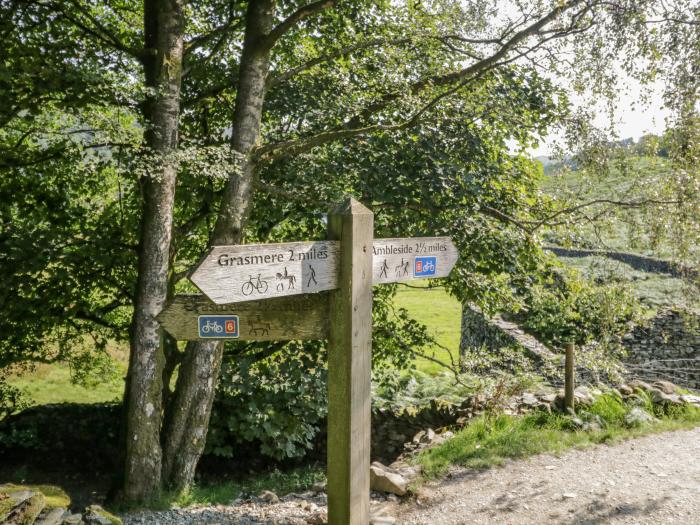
x=188 y=419
x=164 y=28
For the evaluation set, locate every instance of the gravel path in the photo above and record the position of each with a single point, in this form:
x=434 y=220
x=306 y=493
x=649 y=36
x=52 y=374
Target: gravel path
x=650 y=480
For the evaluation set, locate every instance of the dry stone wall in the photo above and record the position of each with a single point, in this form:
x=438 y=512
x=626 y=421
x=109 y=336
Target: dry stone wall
x=666 y=347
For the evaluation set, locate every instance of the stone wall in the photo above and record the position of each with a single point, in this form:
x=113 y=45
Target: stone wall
x=479 y=331
x=666 y=347
x=639 y=262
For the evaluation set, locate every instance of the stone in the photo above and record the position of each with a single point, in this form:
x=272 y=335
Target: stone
x=96 y=515
x=320 y=518
x=529 y=399
x=385 y=479
x=638 y=416
x=640 y=385
x=666 y=387
x=689 y=398
x=51 y=517
x=549 y=398
x=660 y=398
x=269 y=496
x=73 y=519
x=626 y=390
x=21 y=507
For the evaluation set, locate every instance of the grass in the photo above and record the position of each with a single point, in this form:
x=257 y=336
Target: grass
x=52 y=384
x=441 y=313
x=490 y=441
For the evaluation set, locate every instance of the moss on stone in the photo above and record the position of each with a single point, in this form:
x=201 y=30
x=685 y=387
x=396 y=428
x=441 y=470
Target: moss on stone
x=96 y=509
x=54 y=496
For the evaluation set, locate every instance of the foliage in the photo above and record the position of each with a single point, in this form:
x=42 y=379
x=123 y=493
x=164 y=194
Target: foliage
x=490 y=440
x=566 y=307
x=278 y=402
x=12 y=399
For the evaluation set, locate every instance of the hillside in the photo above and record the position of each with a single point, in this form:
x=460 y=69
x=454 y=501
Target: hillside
x=618 y=229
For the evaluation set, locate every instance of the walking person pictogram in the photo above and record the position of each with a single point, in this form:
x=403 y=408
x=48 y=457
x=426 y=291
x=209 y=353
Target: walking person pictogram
x=312 y=277
x=385 y=267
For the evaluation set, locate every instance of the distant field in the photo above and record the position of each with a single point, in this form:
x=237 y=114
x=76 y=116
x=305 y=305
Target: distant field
x=441 y=313
x=618 y=230
x=52 y=384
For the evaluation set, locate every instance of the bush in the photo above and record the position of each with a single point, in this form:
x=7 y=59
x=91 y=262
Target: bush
x=566 y=307
x=278 y=402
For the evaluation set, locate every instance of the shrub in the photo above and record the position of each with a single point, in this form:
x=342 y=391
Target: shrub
x=566 y=307
x=277 y=402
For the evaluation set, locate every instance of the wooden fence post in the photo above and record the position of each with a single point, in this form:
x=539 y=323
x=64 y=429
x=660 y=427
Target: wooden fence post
x=349 y=367
x=569 y=377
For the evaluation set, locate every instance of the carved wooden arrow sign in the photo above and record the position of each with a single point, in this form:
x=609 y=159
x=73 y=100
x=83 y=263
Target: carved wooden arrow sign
x=233 y=274
x=397 y=260
x=192 y=317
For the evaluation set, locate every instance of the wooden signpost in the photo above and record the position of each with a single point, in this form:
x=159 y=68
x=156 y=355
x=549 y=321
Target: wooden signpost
x=335 y=278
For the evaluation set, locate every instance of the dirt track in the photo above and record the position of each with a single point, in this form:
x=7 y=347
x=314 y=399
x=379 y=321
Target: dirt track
x=650 y=480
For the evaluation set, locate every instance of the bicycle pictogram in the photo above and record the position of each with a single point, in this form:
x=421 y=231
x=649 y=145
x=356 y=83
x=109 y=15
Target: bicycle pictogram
x=254 y=285
x=212 y=326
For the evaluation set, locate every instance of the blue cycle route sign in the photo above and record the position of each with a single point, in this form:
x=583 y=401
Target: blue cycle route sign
x=218 y=326
x=424 y=266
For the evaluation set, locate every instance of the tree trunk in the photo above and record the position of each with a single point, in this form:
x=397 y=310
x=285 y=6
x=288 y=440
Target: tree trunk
x=164 y=27
x=189 y=414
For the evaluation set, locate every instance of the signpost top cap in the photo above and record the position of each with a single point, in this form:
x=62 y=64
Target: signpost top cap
x=351 y=206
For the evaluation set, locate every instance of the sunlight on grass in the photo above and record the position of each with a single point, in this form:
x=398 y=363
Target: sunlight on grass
x=441 y=313
x=52 y=384
x=489 y=441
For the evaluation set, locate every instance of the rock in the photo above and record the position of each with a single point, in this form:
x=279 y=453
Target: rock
x=96 y=515
x=529 y=399
x=21 y=507
x=320 y=518
x=626 y=390
x=666 y=387
x=638 y=417
x=385 y=479
x=549 y=398
x=577 y=423
x=73 y=519
x=689 y=398
x=51 y=517
x=595 y=424
x=269 y=496
x=661 y=398
x=381 y=520
x=639 y=385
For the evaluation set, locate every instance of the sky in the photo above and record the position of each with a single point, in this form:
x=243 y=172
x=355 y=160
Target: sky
x=633 y=117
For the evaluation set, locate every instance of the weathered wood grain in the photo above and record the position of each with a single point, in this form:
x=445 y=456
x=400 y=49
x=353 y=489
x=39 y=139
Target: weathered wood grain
x=349 y=367
x=394 y=260
x=283 y=319
x=246 y=272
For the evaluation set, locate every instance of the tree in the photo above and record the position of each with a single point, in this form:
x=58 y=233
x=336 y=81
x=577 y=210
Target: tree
x=233 y=106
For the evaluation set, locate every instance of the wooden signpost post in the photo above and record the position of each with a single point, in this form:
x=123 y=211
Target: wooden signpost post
x=335 y=278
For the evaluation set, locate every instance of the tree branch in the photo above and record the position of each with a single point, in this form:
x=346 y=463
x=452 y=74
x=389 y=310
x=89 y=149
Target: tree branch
x=298 y=16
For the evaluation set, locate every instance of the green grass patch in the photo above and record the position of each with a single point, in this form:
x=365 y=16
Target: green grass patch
x=441 y=313
x=491 y=440
x=52 y=384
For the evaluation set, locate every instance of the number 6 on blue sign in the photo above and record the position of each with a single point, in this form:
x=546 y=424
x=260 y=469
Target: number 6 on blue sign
x=424 y=266
x=218 y=326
